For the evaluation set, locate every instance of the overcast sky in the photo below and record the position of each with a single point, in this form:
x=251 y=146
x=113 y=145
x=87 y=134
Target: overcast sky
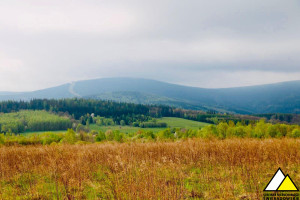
x=202 y=43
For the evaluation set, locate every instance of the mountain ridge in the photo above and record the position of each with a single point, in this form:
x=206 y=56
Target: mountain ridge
x=282 y=97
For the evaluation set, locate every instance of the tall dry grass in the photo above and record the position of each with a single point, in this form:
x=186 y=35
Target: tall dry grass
x=199 y=169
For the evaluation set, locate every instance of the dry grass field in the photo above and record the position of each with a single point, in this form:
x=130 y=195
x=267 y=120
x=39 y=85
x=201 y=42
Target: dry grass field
x=188 y=169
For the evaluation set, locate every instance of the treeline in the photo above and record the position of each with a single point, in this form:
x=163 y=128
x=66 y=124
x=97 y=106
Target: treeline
x=79 y=108
x=221 y=131
x=280 y=117
x=259 y=129
x=150 y=124
x=32 y=121
x=128 y=113
x=144 y=123
x=82 y=109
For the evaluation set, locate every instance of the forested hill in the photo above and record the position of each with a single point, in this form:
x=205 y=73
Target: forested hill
x=272 y=98
x=83 y=110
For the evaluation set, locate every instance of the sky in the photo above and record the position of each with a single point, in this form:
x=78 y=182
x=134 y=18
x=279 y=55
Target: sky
x=211 y=44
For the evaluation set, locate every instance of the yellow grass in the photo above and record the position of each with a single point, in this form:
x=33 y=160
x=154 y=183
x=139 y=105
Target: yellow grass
x=191 y=169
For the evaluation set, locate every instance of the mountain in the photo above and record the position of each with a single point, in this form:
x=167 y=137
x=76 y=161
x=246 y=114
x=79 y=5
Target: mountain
x=54 y=92
x=271 y=98
x=8 y=93
x=145 y=98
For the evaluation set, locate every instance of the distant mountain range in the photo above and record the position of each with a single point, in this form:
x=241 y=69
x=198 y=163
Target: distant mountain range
x=271 y=98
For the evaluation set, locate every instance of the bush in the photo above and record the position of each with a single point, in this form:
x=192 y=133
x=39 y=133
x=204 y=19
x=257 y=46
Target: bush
x=100 y=137
x=49 y=138
x=2 y=139
x=239 y=131
x=109 y=134
x=148 y=135
x=209 y=131
x=81 y=128
x=166 y=134
x=118 y=136
x=222 y=129
x=135 y=124
x=295 y=133
x=70 y=137
x=272 y=131
x=87 y=137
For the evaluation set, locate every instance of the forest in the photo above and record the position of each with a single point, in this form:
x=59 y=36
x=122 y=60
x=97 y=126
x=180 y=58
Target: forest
x=128 y=113
x=29 y=120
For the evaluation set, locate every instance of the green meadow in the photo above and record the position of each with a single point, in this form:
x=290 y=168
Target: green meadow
x=173 y=122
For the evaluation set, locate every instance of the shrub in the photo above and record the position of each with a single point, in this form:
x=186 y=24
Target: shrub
x=81 y=128
x=109 y=134
x=166 y=134
x=87 y=137
x=100 y=137
x=272 y=131
x=118 y=136
x=2 y=139
x=295 y=133
x=70 y=137
x=49 y=138
x=149 y=135
x=209 y=131
x=222 y=129
x=239 y=131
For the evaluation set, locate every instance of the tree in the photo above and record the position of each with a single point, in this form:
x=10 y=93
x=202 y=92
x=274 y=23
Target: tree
x=296 y=133
x=70 y=137
x=79 y=128
x=222 y=129
x=122 y=123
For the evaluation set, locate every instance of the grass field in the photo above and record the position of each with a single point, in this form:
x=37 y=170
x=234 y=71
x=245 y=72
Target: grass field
x=40 y=132
x=186 y=169
x=172 y=122
x=32 y=120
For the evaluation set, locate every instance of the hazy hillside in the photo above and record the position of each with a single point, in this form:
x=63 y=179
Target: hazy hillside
x=8 y=93
x=54 y=92
x=145 y=98
x=279 y=97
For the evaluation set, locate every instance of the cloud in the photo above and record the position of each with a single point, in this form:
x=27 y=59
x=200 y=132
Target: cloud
x=47 y=43
x=65 y=16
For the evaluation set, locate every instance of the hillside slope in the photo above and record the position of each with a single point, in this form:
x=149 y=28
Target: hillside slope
x=280 y=97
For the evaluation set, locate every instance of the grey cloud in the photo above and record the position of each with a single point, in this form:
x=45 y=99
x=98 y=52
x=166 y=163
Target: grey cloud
x=46 y=43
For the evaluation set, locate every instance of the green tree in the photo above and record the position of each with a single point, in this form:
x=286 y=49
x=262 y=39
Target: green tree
x=70 y=137
x=122 y=123
x=166 y=134
x=272 y=131
x=295 y=133
x=222 y=129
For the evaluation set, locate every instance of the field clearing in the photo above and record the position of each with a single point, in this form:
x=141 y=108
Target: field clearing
x=186 y=169
x=123 y=129
x=30 y=121
x=173 y=122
